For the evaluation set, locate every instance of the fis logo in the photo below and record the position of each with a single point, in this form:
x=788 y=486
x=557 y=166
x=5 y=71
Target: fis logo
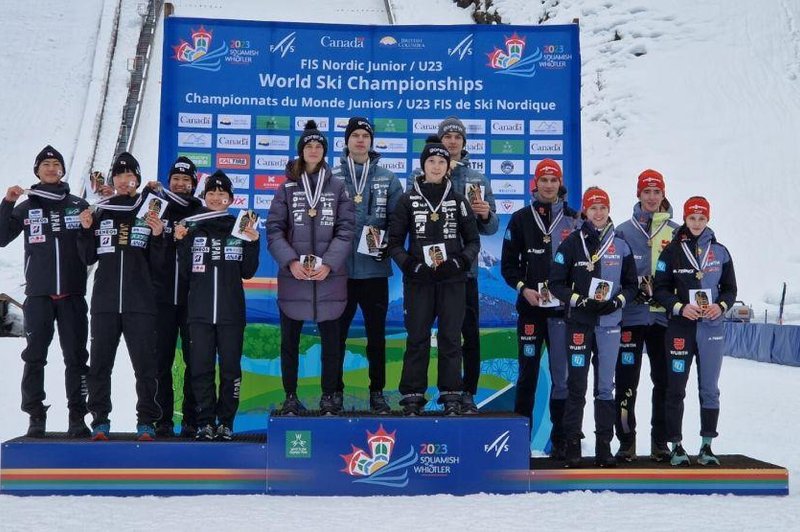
x=499 y=445
x=462 y=49
x=285 y=45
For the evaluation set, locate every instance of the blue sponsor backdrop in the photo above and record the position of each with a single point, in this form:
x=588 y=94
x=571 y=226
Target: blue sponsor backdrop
x=236 y=94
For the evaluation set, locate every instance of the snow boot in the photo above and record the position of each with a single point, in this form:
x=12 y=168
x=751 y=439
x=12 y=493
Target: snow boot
x=572 y=455
x=37 y=424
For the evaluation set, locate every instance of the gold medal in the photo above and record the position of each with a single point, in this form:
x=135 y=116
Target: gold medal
x=699 y=275
x=595 y=258
x=546 y=239
x=434 y=216
x=312 y=212
x=359 y=198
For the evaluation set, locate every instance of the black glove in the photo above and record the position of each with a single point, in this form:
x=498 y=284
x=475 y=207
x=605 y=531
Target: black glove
x=449 y=268
x=383 y=252
x=643 y=298
x=417 y=271
x=589 y=304
x=608 y=307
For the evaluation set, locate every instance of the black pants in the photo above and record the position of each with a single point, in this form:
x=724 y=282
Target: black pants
x=532 y=334
x=139 y=331
x=372 y=295
x=209 y=342
x=40 y=312
x=629 y=364
x=171 y=320
x=423 y=304
x=470 y=331
x=290 y=353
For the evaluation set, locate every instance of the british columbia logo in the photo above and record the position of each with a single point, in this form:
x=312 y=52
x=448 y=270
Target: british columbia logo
x=198 y=53
x=512 y=60
x=375 y=465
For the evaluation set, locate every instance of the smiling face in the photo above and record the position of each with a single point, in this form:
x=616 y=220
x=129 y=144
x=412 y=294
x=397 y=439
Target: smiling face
x=598 y=215
x=651 y=198
x=125 y=184
x=696 y=223
x=180 y=184
x=50 y=171
x=217 y=200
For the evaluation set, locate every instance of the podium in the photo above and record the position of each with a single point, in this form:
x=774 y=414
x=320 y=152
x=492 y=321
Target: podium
x=356 y=454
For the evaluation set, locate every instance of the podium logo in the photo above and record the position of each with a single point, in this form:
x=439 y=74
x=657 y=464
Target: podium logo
x=376 y=466
x=298 y=444
x=499 y=445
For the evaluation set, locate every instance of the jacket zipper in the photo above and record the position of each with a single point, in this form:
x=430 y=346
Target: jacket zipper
x=175 y=295
x=58 y=269
x=314 y=252
x=121 y=270
x=214 y=312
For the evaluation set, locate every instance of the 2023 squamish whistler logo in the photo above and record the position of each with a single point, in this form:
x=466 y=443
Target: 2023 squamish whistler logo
x=512 y=60
x=376 y=466
x=198 y=53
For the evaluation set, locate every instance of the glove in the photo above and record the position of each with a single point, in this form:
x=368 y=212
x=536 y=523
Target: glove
x=383 y=252
x=642 y=298
x=415 y=270
x=589 y=304
x=613 y=305
x=449 y=268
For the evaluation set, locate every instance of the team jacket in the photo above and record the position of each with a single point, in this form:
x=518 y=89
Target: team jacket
x=675 y=275
x=461 y=176
x=380 y=198
x=214 y=263
x=660 y=229
x=51 y=228
x=292 y=232
x=526 y=257
x=456 y=227
x=570 y=279
x=127 y=257
x=171 y=288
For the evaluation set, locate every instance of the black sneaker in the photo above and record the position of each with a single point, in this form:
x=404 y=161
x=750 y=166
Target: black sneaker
x=468 y=406
x=572 y=454
x=188 y=432
x=659 y=452
x=627 y=451
x=558 y=450
x=603 y=456
x=452 y=408
x=224 y=433
x=413 y=408
x=378 y=404
x=291 y=406
x=165 y=430
x=205 y=433
x=707 y=456
x=338 y=398
x=77 y=427
x=328 y=405
x=36 y=426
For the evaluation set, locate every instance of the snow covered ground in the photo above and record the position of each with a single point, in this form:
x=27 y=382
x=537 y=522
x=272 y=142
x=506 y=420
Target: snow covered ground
x=706 y=92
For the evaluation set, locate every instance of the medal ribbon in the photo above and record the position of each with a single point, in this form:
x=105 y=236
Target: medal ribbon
x=641 y=229
x=359 y=183
x=101 y=205
x=603 y=248
x=447 y=188
x=206 y=216
x=540 y=222
x=313 y=199
x=693 y=261
x=44 y=194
